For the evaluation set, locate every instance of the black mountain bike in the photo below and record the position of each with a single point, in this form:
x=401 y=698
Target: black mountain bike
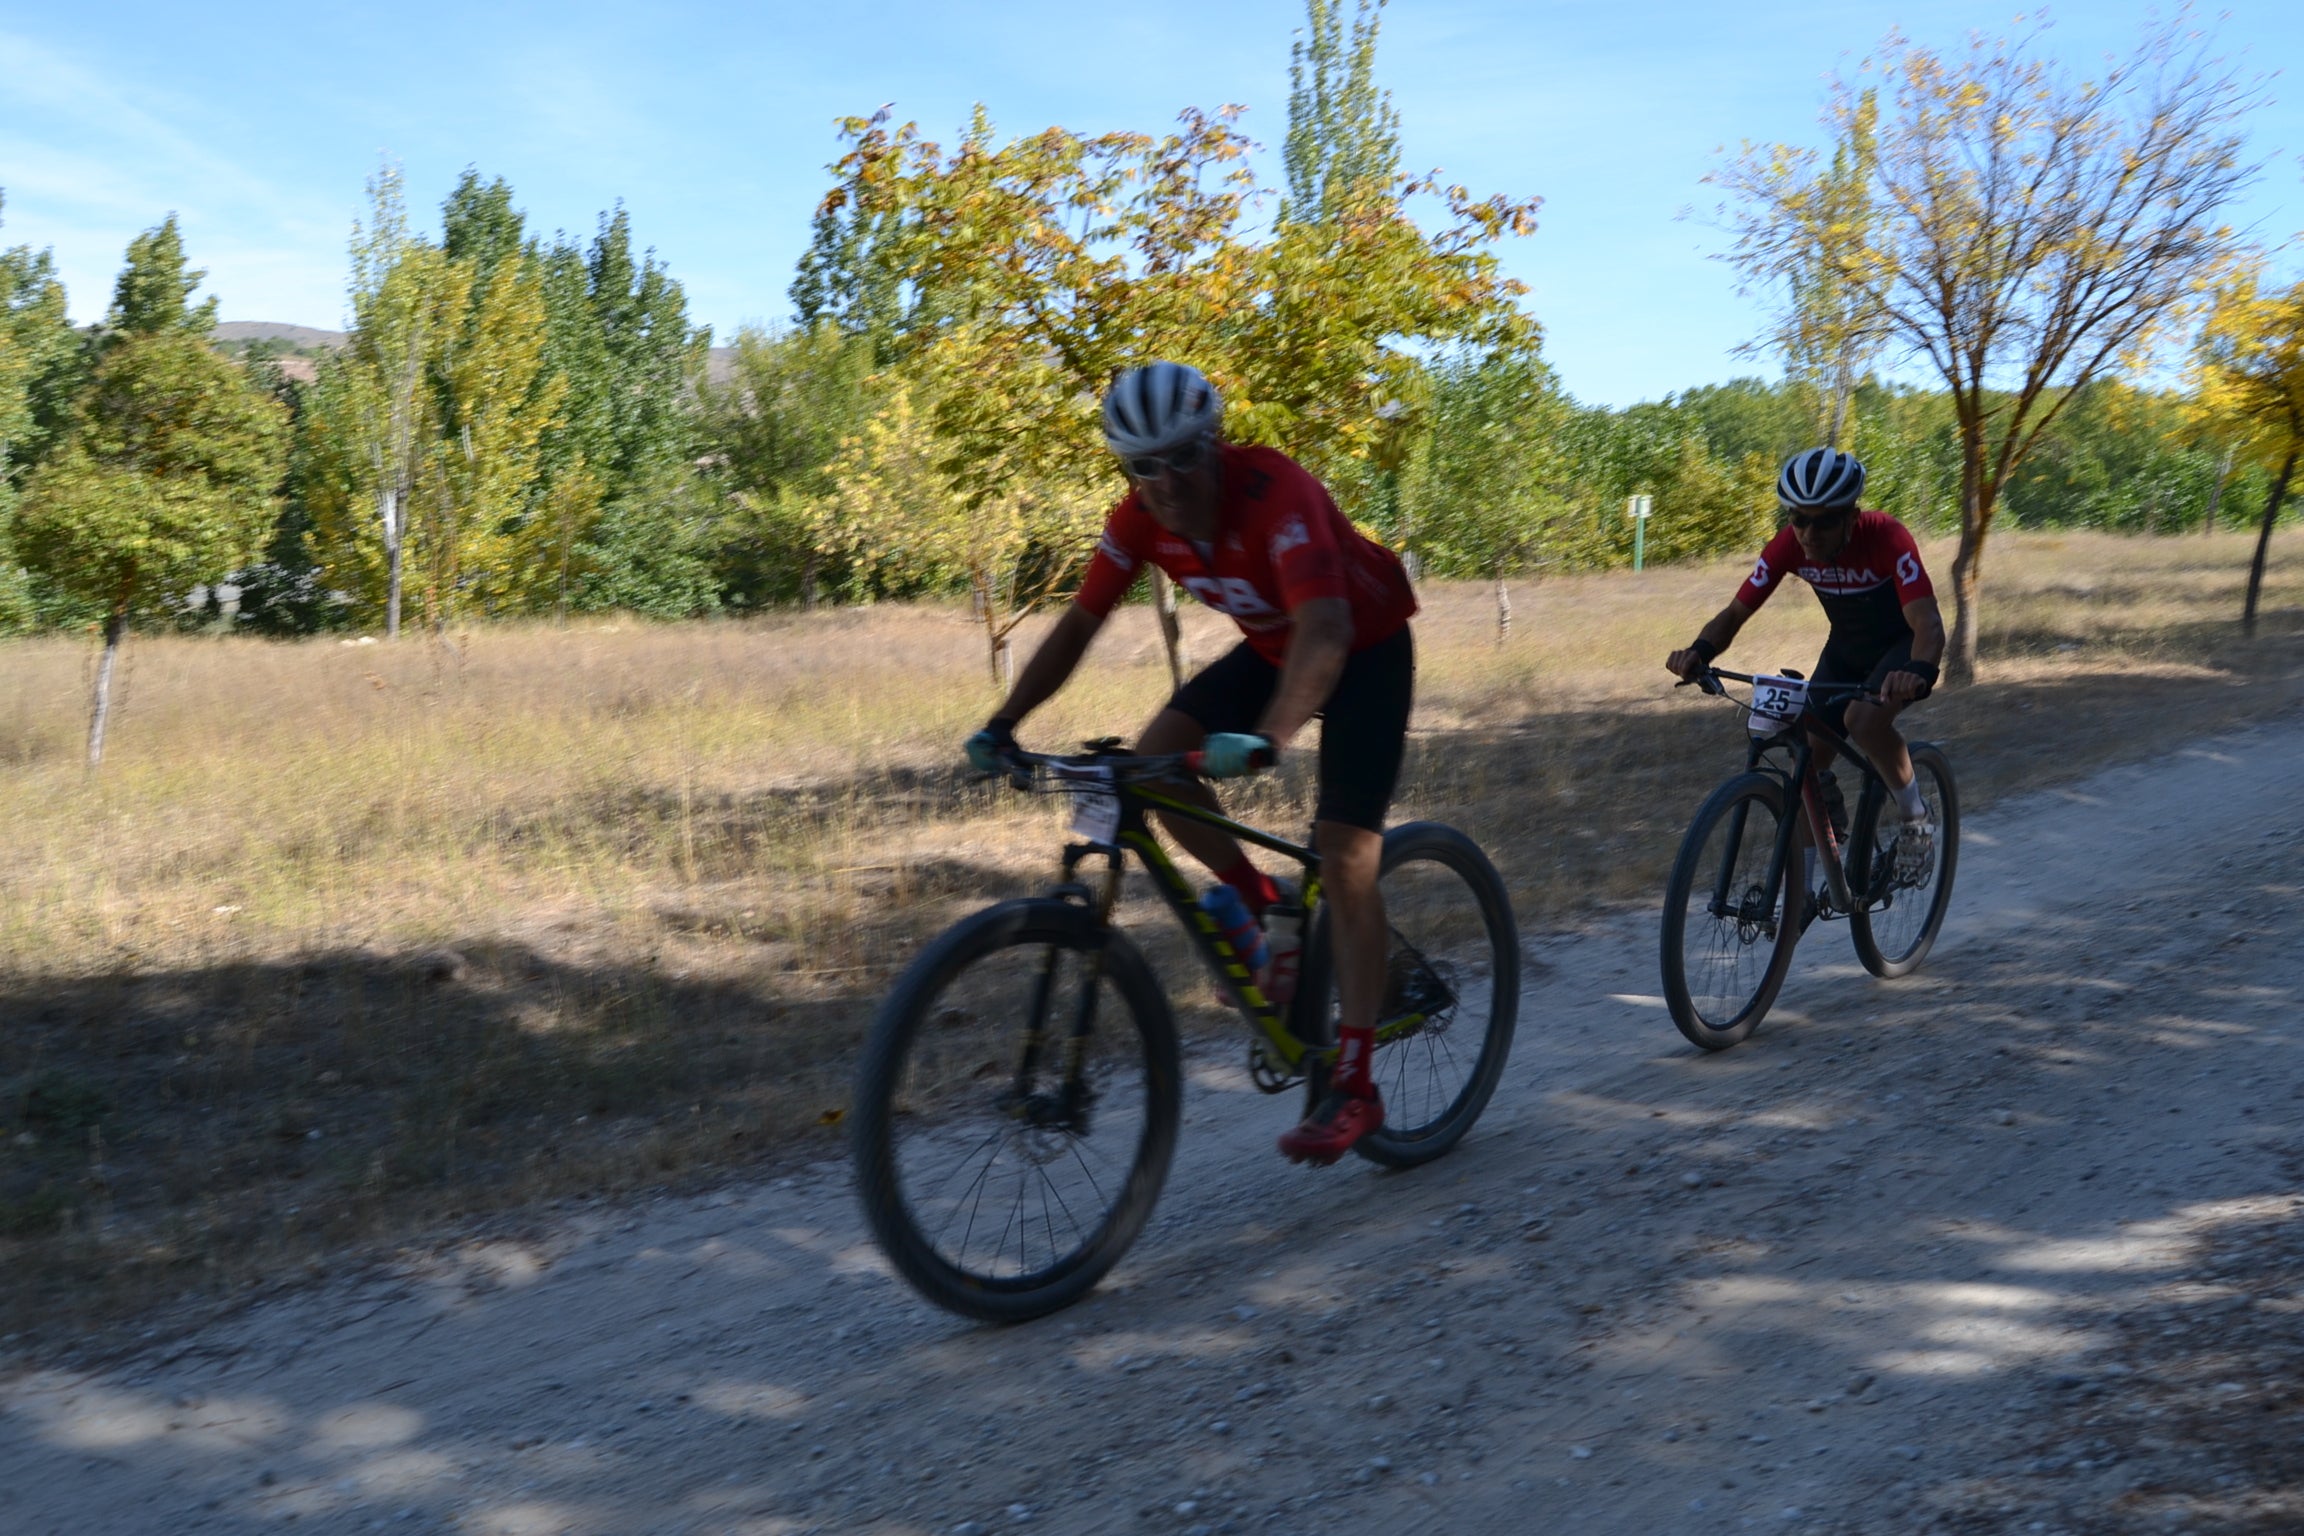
x=1740 y=895
x=1017 y=1103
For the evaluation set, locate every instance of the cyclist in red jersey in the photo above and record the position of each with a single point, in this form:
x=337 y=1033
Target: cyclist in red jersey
x=1324 y=614
x=1886 y=629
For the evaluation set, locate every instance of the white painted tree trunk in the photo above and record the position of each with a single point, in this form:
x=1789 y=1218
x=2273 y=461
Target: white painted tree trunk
x=100 y=714
x=1171 y=628
x=388 y=511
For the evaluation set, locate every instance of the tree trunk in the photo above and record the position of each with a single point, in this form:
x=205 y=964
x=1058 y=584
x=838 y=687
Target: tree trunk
x=388 y=508
x=2216 y=491
x=2264 y=542
x=1503 y=610
x=1967 y=565
x=995 y=641
x=1171 y=628
x=100 y=715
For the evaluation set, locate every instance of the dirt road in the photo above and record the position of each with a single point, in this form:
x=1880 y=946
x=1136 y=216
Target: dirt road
x=1989 y=1249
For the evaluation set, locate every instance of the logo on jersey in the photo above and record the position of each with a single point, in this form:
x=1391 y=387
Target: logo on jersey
x=1907 y=569
x=1294 y=536
x=1231 y=595
x=1840 y=579
x=1110 y=549
x=1759 y=573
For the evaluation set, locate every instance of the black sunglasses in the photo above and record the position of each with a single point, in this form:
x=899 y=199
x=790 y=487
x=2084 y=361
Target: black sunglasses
x=1817 y=519
x=1180 y=460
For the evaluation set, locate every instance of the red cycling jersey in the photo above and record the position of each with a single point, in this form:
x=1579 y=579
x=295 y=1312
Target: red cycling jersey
x=1280 y=543
x=1863 y=589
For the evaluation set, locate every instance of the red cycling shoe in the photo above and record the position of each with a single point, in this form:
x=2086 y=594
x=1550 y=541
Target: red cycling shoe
x=1341 y=1118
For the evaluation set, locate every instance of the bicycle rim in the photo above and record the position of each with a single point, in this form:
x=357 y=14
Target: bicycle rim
x=1726 y=943
x=1451 y=992
x=1004 y=1190
x=1911 y=887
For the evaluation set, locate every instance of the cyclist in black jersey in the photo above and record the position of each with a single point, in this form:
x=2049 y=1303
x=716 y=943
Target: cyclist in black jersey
x=1887 y=631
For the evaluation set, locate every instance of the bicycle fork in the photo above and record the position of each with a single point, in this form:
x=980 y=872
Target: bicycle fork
x=1070 y=1104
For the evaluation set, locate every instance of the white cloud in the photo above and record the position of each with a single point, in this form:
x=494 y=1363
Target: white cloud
x=87 y=164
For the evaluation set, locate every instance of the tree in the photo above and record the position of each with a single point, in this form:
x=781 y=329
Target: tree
x=154 y=294
x=376 y=408
x=2027 y=233
x=39 y=373
x=1343 y=143
x=481 y=536
x=1827 y=328
x=617 y=327
x=897 y=516
x=789 y=403
x=2251 y=375
x=1484 y=486
x=166 y=482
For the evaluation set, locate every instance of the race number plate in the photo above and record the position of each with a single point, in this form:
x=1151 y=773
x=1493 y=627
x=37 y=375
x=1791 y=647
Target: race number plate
x=1776 y=703
x=1096 y=813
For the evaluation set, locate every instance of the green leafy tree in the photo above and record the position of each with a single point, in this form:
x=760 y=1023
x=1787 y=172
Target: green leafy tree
x=1484 y=487
x=482 y=538
x=790 y=402
x=376 y=408
x=165 y=482
x=39 y=370
x=154 y=294
x=618 y=329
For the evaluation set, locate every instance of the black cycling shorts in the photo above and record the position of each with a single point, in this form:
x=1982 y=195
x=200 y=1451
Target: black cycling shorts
x=1363 y=726
x=1867 y=664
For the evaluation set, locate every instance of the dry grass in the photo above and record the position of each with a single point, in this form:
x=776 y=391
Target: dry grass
x=349 y=938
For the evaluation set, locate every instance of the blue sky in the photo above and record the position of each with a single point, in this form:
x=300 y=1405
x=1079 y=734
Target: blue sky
x=258 y=124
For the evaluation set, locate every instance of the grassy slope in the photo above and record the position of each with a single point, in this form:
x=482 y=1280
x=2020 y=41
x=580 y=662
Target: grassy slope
x=348 y=938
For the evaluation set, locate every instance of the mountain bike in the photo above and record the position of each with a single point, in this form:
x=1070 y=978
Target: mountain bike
x=1740 y=894
x=1017 y=1102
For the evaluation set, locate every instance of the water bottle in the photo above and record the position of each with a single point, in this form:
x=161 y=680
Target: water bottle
x=1284 y=932
x=1242 y=932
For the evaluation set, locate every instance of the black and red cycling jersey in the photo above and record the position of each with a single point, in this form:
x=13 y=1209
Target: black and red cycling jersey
x=1280 y=543
x=1863 y=588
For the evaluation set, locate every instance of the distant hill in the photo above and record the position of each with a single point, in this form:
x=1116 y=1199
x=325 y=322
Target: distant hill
x=310 y=341
x=236 y=334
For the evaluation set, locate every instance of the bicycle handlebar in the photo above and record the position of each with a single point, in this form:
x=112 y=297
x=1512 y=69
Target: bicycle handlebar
x=1714 y=676
x=1120 y=768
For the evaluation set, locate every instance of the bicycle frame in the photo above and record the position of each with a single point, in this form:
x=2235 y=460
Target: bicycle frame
x=1840 y=881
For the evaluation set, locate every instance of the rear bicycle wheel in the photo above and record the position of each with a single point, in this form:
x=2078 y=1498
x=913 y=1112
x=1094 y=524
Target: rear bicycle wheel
x=1726 y=941
x=1451 y=992
x=1002 y=1184
x=1908 y=879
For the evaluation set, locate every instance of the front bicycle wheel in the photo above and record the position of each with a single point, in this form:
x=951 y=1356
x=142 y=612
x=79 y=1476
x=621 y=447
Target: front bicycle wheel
x=1016 y=1110
x=1908 y=878
x=1727 y=940
x=1451 y=992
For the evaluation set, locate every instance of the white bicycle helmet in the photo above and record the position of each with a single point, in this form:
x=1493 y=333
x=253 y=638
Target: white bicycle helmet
x=1820 y=477
x=1159 y=406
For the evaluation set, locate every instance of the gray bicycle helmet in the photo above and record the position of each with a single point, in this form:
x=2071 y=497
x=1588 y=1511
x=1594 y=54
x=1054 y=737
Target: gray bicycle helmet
x=1159 y=406
x=1820 y=477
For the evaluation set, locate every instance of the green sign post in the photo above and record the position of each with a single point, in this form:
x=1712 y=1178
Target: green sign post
x=1637 y=508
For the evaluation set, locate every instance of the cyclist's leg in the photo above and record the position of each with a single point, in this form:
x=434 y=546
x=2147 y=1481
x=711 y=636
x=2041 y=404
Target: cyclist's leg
x=1363 y=733
x=1229 y=694
x=1873 y=726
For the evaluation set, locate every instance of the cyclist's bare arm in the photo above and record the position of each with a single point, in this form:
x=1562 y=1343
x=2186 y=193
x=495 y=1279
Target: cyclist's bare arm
x=1052 y=662
x=1317 y=651
x=1687 y=662
x=1927 y=621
